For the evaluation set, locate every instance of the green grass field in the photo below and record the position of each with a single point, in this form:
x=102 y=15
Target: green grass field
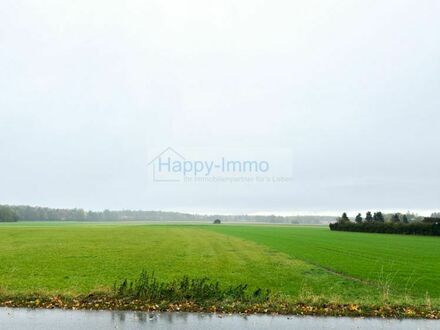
x=300 y=263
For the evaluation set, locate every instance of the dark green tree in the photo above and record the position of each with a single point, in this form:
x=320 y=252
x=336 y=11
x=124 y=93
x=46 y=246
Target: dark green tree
x=395 y=218
x=344 y=218
x=368 y=217
x=405 y=219
x=378 y=217
x=358 y=218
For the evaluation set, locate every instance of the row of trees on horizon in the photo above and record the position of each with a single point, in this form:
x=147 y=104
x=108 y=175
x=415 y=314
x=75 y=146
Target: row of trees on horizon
x=379 y=217
x=390 y=224
x=32 y=213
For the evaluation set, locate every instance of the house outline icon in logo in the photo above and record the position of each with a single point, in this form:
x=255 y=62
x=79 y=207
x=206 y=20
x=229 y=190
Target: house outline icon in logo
x=153 y=162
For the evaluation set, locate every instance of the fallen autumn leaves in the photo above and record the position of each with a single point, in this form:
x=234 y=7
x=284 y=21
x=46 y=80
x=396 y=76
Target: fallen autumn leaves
x=106 y=302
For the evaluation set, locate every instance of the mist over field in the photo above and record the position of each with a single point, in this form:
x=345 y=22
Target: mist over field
x=349 y=90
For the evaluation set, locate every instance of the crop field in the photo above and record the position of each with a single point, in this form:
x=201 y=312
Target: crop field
x=408 y=265
x=296 y=262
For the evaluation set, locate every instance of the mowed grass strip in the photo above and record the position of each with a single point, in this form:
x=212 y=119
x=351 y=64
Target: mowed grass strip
x=407 y=265
x=71 y=259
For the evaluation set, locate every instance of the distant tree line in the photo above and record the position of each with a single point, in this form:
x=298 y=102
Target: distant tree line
x=32 y=213
x=435 y=215
x=7 y=214
x=397 y=223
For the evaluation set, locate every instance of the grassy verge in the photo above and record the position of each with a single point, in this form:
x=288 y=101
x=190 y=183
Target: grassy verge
x=148 y=293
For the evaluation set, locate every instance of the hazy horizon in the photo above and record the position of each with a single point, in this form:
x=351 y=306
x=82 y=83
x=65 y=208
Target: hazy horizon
x=332 y=213
x=346 y=93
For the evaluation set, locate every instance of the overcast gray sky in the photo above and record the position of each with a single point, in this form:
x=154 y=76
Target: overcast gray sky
x=350 y=88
